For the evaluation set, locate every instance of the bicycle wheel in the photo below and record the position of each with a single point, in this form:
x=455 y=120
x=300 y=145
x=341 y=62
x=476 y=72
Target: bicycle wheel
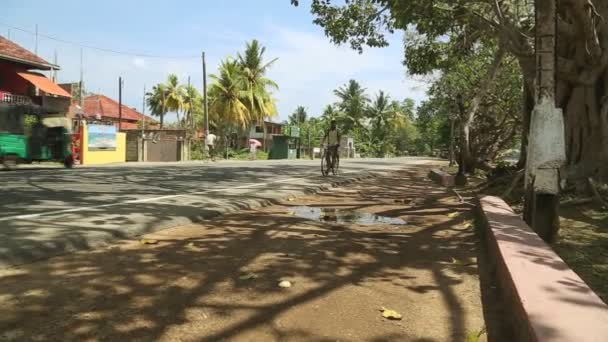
x=336 y=164
x=323 y=155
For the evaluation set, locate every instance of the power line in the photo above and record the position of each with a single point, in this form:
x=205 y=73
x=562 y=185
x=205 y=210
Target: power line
x=92 y=47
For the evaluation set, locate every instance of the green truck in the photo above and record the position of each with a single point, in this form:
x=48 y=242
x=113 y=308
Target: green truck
x=26 y=138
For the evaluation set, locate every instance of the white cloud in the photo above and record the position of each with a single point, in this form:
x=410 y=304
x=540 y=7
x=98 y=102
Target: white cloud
x=139 y=63
x=310 y=67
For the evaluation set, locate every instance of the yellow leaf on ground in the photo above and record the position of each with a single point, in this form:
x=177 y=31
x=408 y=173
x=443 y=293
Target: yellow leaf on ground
x=454 y=214
x=391 y=314
x=468 y=225
x=457 y=262
x=148 y=242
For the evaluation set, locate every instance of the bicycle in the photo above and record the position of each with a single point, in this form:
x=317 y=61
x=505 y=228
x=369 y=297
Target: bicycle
x=334 y=157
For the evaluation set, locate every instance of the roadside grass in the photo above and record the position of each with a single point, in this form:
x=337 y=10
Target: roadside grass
x=583 y=244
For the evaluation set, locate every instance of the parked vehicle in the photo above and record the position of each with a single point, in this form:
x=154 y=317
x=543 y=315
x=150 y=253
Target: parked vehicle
x=27 y=138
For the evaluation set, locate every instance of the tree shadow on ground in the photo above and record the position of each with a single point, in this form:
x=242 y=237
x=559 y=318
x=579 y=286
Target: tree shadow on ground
x=102 y=206
x=190 y=284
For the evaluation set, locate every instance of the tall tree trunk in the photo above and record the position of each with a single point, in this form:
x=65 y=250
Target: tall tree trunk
x=452 y=127
x=486 y=83
x=527 y=108
x=583 y=87
x=265 y=146
x=546 y=150
x=162 y=120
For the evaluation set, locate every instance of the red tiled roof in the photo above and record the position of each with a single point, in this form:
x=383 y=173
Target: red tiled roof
x=15 y=53
x=128 y=126
x=108 y=108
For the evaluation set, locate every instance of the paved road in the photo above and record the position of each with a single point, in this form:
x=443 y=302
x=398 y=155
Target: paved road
x=44 y=212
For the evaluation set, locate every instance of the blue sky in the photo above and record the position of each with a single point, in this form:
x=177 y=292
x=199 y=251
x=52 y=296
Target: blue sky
x=308 y=69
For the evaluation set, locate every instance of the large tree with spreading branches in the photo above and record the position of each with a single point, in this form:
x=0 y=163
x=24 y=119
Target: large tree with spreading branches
x=439 y=29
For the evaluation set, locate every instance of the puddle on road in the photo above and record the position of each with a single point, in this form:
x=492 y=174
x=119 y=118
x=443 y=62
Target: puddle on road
x=333 y=215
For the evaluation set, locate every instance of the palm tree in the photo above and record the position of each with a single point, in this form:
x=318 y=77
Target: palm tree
x=228 y=94
x=353 y=102
x=192 y=104
x=175 y=95
x=259 y=87
x=299 y=116
x=157 y=102
x=260 y=102
x=380 y=111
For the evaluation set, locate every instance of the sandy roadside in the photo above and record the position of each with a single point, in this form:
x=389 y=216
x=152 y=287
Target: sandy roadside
x=219 y=280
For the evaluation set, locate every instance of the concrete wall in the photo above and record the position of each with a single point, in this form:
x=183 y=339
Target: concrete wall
x=104 y=157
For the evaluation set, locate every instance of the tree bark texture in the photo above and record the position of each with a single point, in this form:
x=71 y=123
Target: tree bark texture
x=582 y=86
x=581 y=80
x=469 y=115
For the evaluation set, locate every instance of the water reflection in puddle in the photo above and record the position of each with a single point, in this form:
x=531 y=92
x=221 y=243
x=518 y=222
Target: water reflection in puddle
x=344 y=216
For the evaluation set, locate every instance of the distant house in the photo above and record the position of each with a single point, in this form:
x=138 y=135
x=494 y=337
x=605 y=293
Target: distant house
x=257 y=132
x=22 y=87
x=103 y=108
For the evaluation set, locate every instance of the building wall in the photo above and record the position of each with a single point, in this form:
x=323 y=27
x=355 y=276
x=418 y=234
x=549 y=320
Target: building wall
x=11 y=82
x=104 y=157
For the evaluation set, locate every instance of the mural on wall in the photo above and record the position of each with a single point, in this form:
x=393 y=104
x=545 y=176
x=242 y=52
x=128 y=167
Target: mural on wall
x=102 y=138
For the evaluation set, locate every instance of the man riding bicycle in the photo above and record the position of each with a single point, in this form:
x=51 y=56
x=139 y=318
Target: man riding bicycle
x=332 y=142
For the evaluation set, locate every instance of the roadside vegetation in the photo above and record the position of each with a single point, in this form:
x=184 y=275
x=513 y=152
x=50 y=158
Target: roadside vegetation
x=239 y=96
x=480 y=60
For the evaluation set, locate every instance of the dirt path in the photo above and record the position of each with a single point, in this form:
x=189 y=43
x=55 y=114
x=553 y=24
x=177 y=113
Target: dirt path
x=219 y=280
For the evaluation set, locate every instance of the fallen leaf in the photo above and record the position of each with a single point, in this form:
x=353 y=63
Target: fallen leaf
x=291 y=199
x=285 y=284
x=475 y=336
x=191 y=245
x=454 y=214
x=461 y=263
x=391 y=314
x=248 y=276
x=148 y=242
x=468 y=225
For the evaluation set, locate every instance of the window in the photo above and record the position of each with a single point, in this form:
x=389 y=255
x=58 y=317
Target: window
x=259 y=129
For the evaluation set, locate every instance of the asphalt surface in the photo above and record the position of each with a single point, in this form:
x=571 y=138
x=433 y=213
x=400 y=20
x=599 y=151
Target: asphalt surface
x=49 y=211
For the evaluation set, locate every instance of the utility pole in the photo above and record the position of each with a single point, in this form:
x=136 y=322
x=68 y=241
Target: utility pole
x=119 y=104
x=190 y=121
x=36 y=47
x=143 y=113
x=546 y=147
x=143 y=127
x=206 y=109
x=55 y=70
x=81 y=83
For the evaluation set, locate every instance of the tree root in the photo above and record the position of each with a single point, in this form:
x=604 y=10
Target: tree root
x=577 y=201
x=457 y=195
x=596 y=193
x=514 y=183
